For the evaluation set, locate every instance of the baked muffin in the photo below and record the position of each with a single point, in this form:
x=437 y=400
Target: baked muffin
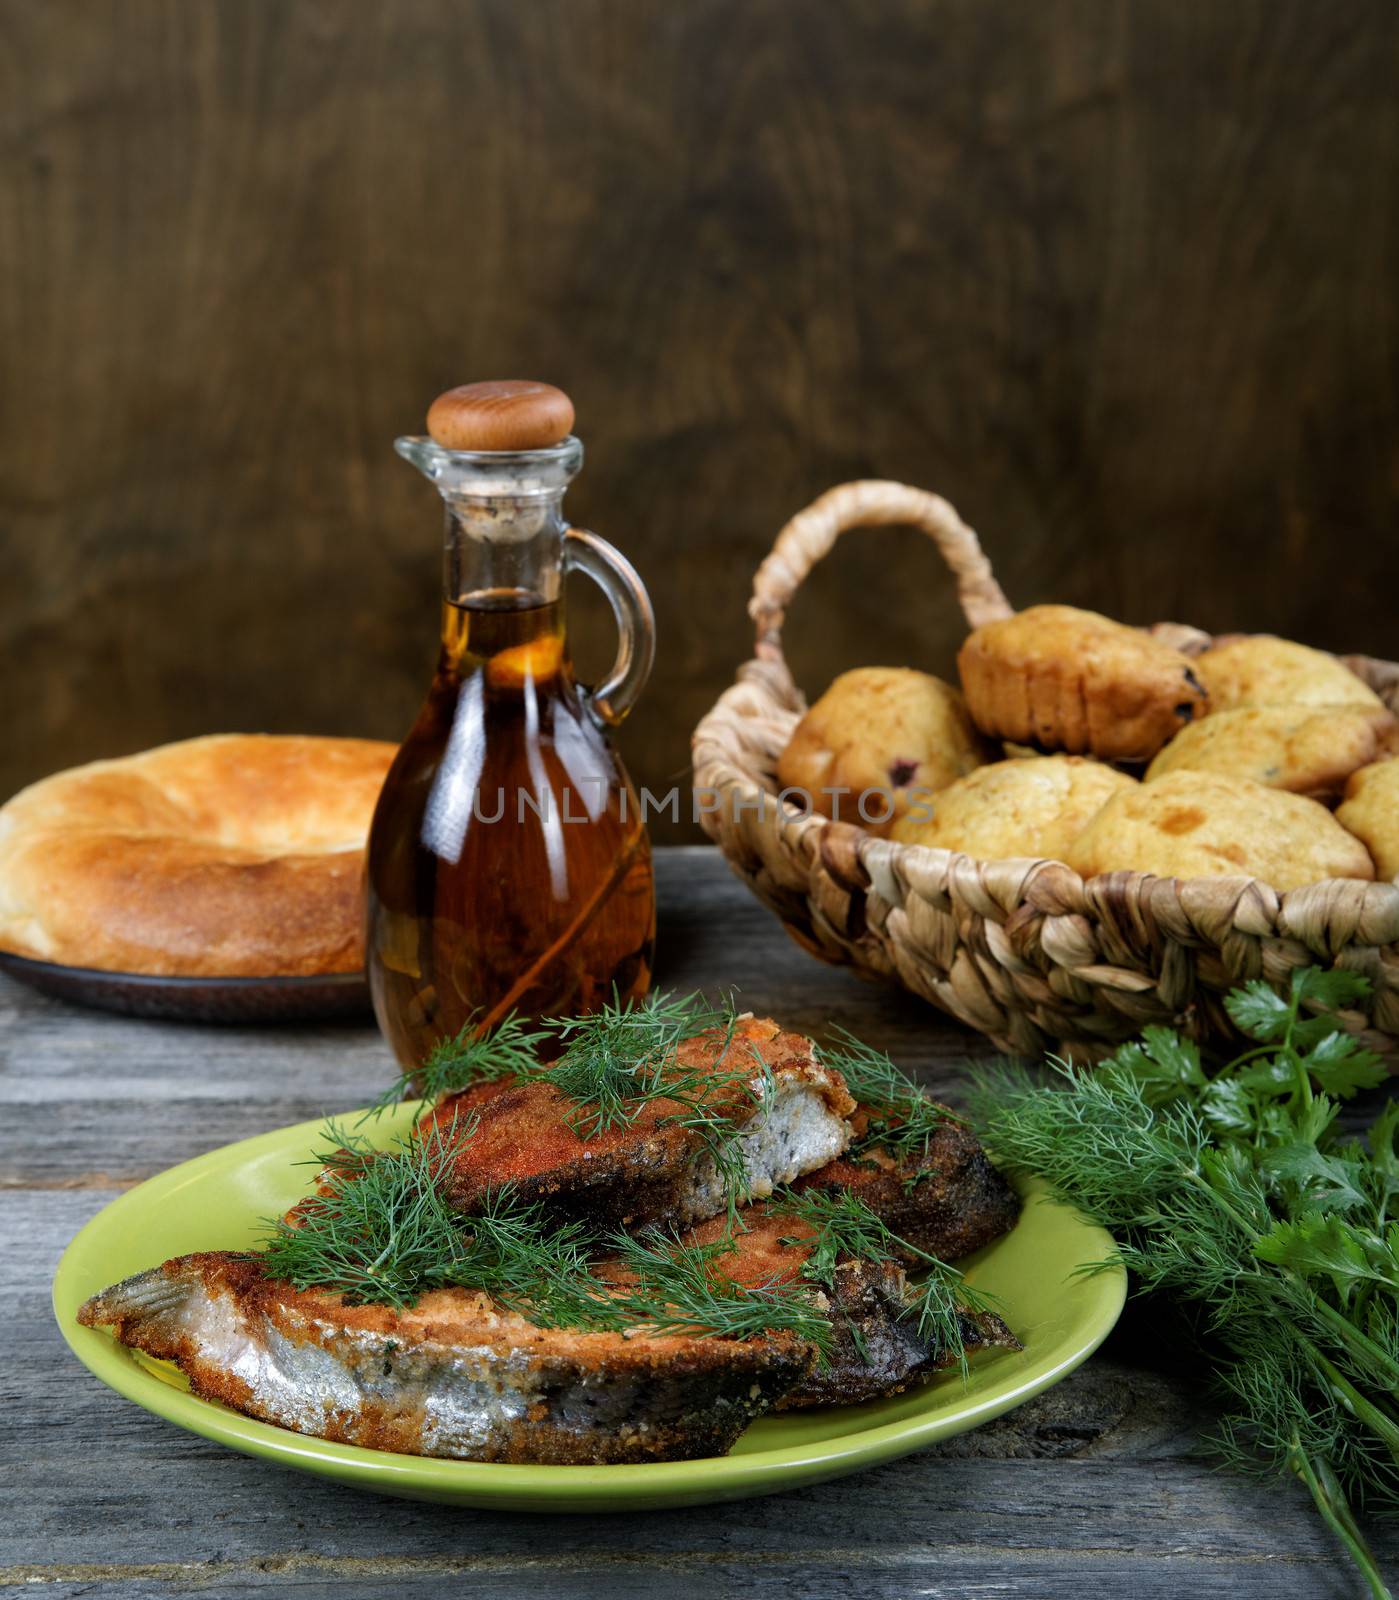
x=880 y=729
x=1063 y=679
x=1371 y=812
x=1308 y=749
x=1033 y=806
x=1261 y=670
x=1207 y=824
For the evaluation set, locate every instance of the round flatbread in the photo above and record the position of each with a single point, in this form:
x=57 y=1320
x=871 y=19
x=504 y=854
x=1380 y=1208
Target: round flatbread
x=236 y=855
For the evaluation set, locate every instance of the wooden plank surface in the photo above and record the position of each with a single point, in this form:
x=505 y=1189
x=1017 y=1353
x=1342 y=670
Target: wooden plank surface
x=1098 y=1488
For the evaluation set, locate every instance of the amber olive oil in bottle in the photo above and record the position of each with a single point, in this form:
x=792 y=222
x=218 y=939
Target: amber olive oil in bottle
x=508 y=864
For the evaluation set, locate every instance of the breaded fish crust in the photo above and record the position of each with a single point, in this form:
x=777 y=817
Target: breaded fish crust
x=947 y=1203
x=790 y=1112
x=454 y=1375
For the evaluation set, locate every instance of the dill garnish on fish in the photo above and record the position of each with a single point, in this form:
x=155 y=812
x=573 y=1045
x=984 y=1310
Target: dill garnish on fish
x=380 y=1233
x=613 y=1064
x=618 y=1059
x=902 y=1118
x=679 y=1288
x=846 y=1229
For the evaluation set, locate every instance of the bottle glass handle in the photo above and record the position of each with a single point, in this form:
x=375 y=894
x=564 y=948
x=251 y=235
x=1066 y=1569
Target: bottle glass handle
x=610 y=700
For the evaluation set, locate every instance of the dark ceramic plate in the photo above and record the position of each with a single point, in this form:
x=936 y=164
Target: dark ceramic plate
x=341 y=995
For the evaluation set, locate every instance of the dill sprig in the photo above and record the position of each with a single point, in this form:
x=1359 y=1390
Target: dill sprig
x=680 y=1288
x=614 y=1063
x=847 y=1228
x=379 y=1231
x=1236 y=1192
x=473 y=1056
x=619 y=1058
x=903 y=1119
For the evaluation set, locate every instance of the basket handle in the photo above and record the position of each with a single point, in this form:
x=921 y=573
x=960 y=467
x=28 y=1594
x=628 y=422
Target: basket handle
x=869 y=503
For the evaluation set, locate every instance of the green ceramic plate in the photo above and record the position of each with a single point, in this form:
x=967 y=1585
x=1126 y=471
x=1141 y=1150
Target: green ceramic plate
x=215 y=1202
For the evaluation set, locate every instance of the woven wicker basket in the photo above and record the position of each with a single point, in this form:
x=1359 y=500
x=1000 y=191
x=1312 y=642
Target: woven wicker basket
x=1025 y=951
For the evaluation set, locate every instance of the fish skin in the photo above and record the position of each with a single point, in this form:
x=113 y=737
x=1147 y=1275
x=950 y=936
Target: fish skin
x=947 y=1203
x=453 y=1376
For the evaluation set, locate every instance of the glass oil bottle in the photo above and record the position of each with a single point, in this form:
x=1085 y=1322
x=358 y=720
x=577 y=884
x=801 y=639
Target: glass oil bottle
x=508 y=866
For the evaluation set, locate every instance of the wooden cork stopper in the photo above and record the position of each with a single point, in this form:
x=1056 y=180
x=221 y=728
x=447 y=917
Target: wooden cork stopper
x=507 y=414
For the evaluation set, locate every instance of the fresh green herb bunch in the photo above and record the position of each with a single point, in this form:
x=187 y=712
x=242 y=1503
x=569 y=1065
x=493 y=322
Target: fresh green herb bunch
x=1237 y=1192
x=846 y=1227
x=903 y=1119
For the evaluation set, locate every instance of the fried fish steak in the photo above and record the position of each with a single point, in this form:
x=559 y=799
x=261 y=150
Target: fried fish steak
x=947 y=1202
x=876 y=1347
x=789 y=1109
x=455 y=1375
x=459 y=1376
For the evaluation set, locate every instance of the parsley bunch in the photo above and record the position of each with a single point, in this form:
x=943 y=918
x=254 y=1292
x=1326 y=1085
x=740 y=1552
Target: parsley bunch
x=1237 y=1192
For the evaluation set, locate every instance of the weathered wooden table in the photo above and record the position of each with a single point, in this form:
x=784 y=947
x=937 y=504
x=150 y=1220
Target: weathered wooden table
x=1099 y=1488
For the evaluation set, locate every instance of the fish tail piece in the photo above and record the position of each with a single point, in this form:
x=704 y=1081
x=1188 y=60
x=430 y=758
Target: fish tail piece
x=984 y=1330
x=146 y=1297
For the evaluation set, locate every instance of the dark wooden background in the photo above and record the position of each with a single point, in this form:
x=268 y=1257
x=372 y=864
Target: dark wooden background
x=1117 y=278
